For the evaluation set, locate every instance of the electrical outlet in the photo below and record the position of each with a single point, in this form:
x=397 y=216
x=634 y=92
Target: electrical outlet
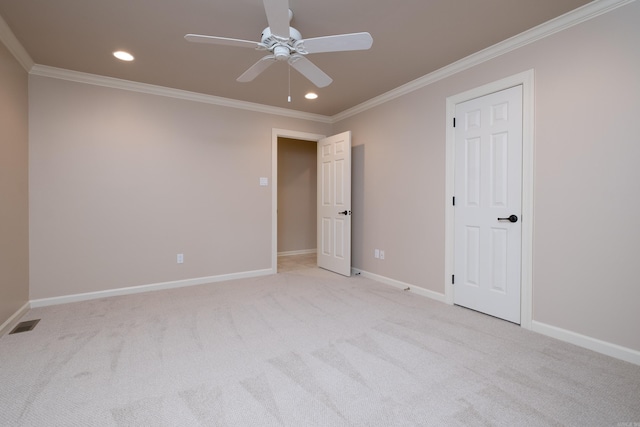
x=376 y=253
x=381 y=254
x=180 y=258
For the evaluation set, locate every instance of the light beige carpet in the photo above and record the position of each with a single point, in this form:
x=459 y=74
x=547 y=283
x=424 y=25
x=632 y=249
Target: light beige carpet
x=304 y=348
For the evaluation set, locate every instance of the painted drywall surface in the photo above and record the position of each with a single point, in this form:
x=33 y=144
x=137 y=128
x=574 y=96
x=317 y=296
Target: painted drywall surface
x=586 y=235
x=297 y=179
x=121 y=182
x=398 y=190
x=14 y=211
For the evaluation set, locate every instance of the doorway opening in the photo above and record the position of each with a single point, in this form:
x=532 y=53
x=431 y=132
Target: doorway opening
x=294 y=200
x=297 y=200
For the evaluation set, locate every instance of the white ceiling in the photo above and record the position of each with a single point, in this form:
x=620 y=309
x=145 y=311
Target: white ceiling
x=411 y=38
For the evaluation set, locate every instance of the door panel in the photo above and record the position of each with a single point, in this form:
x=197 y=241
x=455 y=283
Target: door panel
x=488 y=186
x=472 y=261
x=334 y=199
x=472 y=166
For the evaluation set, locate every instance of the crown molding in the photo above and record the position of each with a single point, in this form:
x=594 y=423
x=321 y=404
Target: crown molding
x=570 y=19
x=563 y=22
x=14 y=46
x=110 y=82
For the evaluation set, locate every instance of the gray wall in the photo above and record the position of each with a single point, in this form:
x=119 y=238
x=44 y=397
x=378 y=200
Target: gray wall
x=586 y=177
x=121 y=182
x=297 y=177
x=14 y=199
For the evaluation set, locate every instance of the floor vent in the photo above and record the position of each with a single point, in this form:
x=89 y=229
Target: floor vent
x=24 y=326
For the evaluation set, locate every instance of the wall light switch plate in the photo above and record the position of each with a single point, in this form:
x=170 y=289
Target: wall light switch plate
x=376 y=253
x=264 y=182
x=180 y=258
x=381 y=254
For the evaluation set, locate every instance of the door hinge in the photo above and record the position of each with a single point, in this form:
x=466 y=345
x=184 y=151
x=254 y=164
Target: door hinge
x=454 y=122
x=454 y=200
x=453 y=279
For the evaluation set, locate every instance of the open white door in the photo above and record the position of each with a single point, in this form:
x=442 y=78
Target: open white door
x=334 y=203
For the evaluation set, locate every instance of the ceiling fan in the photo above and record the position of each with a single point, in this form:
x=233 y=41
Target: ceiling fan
x=285 y=43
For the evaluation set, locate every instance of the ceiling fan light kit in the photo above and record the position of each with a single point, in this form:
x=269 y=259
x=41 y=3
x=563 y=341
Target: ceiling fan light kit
x=285 y=43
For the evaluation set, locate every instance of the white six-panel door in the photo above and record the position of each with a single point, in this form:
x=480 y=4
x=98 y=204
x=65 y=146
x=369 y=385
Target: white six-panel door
x=488 y=190
x=334 y=203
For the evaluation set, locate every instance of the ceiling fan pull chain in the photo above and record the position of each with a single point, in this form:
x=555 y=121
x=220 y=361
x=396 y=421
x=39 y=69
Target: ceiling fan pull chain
x=289 y=97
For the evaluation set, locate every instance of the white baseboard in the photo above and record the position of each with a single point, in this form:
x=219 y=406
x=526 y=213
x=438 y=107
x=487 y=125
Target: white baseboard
x=44 y=302
x=603 y=347
x=300 y=252
x=14 y=319
x=599 y=346
x=401 y=285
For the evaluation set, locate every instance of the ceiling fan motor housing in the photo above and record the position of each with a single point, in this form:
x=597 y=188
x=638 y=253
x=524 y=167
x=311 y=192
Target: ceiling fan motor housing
x=279 y=46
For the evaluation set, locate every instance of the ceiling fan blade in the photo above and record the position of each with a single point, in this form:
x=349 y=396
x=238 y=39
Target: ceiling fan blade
x=337 y=43
x=278 y=17
x=310 y=71
x=196 y=38
x=253 y=71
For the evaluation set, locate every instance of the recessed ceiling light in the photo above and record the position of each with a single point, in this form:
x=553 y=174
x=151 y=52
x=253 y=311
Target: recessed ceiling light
x=311 y=95
x=123 y=56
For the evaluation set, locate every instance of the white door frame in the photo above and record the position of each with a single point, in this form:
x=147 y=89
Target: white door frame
x=526 y=79
x=275 y=134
